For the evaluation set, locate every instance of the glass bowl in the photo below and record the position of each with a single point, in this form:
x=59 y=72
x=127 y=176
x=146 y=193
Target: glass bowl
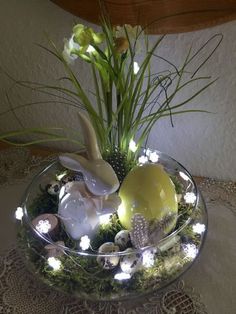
x=80 y=267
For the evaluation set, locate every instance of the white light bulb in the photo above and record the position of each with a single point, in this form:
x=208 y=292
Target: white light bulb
x=147 y=152
x=60 y=176
x=19 y=213
x=122 y=276
x=190 y=198
x=136 y=67
x=142 y=159
x=55 y=263
x=43 y=226
x=199 y=228
x=153 y=156
x=104 y=219
x=190 y=250
x=148 y=258
x=84 y=242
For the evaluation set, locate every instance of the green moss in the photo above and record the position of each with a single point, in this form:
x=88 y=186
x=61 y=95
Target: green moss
x=107 y=232
x=184 y=212
x=189 y=236
x=177 y=184
x=43 y=203
x=82 y=275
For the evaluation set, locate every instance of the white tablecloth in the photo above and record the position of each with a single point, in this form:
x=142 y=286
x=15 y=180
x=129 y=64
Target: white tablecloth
x=210 y=284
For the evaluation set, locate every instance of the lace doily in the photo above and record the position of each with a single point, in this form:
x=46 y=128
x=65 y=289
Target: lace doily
x=220 y=191
x=17 y=164
x=21 y=293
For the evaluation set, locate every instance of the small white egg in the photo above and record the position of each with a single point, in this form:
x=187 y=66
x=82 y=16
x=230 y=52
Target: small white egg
x=53 y=188
x=131 y=262
x=108 y=262
x=122 y=239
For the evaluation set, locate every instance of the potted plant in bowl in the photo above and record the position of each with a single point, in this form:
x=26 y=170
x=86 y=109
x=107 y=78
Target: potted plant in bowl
x=121 y=219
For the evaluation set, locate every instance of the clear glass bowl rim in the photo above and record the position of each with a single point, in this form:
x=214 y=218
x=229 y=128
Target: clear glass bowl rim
x=26 y=217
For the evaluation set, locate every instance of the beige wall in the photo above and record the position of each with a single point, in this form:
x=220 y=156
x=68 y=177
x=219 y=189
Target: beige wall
x=205 y=144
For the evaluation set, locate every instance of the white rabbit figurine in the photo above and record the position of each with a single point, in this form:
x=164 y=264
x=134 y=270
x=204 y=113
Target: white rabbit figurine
x=85 y=201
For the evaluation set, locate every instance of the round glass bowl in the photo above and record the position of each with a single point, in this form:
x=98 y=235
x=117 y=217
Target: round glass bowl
x=105 y=264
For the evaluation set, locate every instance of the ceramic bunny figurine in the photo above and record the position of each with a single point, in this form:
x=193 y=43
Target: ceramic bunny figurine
x=84 y=202
x=99 y=176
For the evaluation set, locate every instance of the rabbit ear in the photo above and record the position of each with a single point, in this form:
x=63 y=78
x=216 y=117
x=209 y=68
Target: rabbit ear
x=90 y=139
x=98 y=174
x=73 y=162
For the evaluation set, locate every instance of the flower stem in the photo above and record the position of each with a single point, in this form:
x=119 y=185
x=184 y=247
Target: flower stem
x=109 y=112
x=120 y=115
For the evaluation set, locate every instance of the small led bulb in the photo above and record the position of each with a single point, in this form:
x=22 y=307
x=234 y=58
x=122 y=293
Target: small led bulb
x=55 y=263
x=19 y=213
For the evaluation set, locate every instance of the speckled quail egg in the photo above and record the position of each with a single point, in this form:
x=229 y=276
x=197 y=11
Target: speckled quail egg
x=108 y=262
x=122 y=239
x=53 y=188
x=66 y=179
x=131 y=262
x=72 y=177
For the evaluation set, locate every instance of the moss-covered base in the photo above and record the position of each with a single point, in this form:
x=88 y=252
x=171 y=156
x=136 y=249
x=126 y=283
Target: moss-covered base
x=82 y=276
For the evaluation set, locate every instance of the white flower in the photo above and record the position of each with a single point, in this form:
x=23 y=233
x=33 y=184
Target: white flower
x=70 y=45
x=190 y=250
x=199 y=228
x=19 y=213
x=149 y=257
x=84 y=242
x=190 y=198
x=132 y=146
x=147 y=152
x=43 y=226
x=153 y=156
x=55 y=263
x=143 y=159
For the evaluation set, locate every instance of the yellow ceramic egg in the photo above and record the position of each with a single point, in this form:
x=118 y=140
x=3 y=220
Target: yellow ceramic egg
x=149 y=191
